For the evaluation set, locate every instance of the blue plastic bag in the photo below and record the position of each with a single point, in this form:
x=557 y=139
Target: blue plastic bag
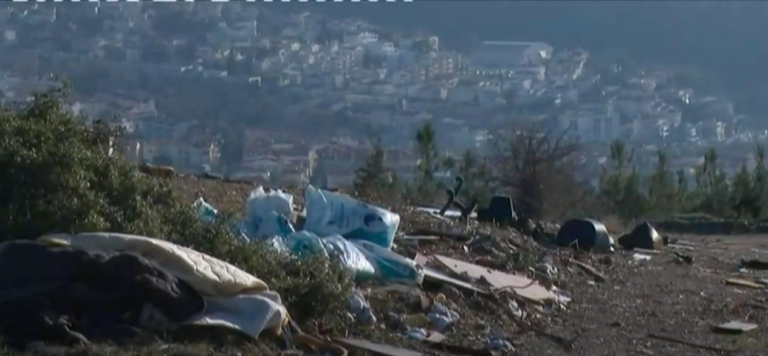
x=330 y=213
x=268 y=214
x=305 y=243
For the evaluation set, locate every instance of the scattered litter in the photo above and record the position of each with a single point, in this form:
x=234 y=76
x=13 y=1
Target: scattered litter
x=522 y=286
x=646 y=252
x=592 y=271
x=416 y=334
x=585 y=235
x=754 y=264
x=360 y=309
x=743 y=283
x=451 y=213
x=680 y=247
x=441 y=317
x=641 y=257
x=683 y=258
x=642 y=236
x=206 y=212
x=499 y=344
x=453 y=235
x=735 y=327
x=689 y=343
x=378 y=349
x=435 y=337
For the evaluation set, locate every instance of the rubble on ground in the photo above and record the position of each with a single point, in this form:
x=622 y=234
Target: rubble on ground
x=447 y=284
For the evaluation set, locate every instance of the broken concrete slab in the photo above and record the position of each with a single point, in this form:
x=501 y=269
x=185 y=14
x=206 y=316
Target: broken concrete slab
x=735 y=327
x=524 y=287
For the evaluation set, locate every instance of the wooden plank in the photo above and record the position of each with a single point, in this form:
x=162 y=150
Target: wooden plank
x=743 y=283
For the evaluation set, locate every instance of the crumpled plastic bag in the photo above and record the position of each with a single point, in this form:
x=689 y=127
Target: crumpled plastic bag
x=365 y=260
x=390 y=266
x=268 y=214
x=206 y=212
x=304 y=243
x=330 y=213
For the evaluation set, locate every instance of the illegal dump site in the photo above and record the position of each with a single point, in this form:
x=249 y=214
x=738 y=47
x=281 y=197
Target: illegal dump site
x=101 y=257
x=421 y=282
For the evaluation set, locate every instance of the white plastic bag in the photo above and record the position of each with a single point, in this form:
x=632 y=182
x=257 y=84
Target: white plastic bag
x=330 y=213
x=206 y=212
x=268 y=214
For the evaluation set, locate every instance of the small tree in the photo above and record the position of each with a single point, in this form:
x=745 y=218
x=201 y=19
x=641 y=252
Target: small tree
x=682 y=191
x=427 y=166
x=375 y=181
x=742 y=195
x=712 y=188
x=620 y=190
x=759 y=183
x=662 y=194
x=537 y=168
x=476 y=178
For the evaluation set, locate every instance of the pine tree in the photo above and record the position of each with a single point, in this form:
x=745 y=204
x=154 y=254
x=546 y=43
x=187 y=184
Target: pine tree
x=428 y=161
x=475 y=174
x=759 y=183
x=682 y=191
x=661 y=191
x=712 y=188
x=375 y=180
x=742 y=195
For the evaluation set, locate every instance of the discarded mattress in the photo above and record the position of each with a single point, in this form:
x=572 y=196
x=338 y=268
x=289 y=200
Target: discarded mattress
x=585 y=235
x=643 y=236
x=234 y=299
x=54 y=293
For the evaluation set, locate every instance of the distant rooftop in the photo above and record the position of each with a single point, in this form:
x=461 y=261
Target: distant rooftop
x=513 y=43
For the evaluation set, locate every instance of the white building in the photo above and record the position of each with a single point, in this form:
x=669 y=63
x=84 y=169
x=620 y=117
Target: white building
x=598 y=122
x=505 y=55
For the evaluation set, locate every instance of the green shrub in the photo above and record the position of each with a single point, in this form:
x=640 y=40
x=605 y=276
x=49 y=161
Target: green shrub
x=56 y=176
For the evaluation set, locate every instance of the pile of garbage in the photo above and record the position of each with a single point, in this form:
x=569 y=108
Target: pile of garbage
x=491 y=280
x=359 y=235
x=78 y=289
x=423 y=289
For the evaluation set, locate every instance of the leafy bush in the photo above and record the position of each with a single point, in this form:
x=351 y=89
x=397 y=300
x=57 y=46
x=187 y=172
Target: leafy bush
x=58 y=176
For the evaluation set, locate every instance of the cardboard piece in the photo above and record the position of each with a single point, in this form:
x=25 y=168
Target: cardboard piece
x=524 y=287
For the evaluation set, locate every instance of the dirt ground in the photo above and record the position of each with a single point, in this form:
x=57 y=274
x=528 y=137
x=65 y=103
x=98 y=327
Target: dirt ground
x=661 y=296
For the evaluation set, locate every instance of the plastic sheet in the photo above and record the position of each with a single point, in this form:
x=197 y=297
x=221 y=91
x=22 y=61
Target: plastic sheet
x=330 y=213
